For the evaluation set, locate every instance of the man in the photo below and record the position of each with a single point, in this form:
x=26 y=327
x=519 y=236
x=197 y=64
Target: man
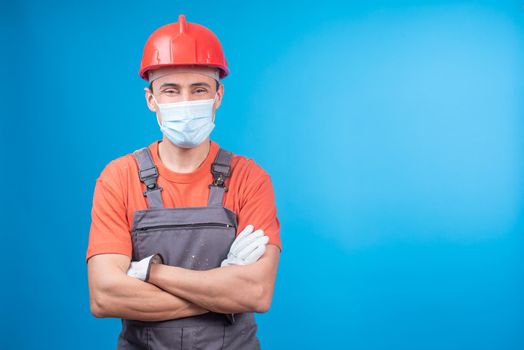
x=184 y=242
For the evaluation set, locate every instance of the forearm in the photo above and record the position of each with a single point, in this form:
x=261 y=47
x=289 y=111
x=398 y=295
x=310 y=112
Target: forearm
x=231 y=289
x=130 y=298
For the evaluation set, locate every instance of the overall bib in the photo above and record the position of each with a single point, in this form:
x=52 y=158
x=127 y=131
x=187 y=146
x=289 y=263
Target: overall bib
x=196 y=238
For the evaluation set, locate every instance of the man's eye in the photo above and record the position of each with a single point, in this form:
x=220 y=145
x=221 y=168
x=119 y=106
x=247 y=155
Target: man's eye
x=169 y=91
x=200 y=91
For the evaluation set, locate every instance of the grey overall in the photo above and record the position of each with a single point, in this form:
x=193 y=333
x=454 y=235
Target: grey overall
x=196 y=238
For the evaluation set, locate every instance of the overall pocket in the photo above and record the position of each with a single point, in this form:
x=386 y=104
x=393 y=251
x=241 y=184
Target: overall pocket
x=196 y=247
x=203 y=338
x=153 y=338
x=243 y=336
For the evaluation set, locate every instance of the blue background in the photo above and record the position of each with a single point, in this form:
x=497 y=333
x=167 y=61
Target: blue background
x=392 y=131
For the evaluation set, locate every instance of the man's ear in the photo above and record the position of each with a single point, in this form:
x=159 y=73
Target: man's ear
x=149 y=100
x=220 y=93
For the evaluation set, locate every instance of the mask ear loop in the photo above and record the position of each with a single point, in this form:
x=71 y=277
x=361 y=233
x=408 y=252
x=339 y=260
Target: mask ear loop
x=154 y=99
x=214 y=101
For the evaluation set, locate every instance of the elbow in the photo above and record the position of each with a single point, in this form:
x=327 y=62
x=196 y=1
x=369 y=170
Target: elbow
x=99 y=305
x=264 y=299
x=96 y=308
x=262 y=307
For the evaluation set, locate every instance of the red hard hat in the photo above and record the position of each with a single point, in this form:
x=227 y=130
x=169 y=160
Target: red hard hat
x=183 y=43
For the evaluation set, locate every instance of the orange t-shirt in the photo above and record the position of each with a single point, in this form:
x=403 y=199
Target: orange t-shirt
x=119 y=193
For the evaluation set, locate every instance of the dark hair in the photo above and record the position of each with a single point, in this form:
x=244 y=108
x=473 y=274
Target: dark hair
x=151 y=85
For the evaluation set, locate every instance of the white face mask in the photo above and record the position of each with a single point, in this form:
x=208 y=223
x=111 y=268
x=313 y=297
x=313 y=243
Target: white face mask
x=187 y=123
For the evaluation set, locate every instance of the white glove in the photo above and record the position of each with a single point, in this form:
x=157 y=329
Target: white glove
x=140 y=269
x=247 y=248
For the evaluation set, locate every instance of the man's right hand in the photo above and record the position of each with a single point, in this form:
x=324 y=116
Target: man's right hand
x=247 y=248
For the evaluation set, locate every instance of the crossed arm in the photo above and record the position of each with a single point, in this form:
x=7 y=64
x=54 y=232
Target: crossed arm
x=174 y=292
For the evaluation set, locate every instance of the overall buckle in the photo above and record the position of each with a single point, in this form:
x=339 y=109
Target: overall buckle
x=152 y=188
x=219 y=181
x=148 y=173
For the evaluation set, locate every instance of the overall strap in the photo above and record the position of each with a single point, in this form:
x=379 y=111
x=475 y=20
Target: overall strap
x=221 y=169
x=148 y=174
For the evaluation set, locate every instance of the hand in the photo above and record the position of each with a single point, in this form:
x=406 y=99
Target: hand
x=140 y=269
x=247 y=248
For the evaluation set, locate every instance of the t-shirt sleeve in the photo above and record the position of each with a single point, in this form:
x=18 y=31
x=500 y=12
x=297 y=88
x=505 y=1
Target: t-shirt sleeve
x=109 y=232
x=258 y=208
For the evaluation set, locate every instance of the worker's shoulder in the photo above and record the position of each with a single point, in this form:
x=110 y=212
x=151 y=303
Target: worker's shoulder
x=245 y=166
x=118 y=168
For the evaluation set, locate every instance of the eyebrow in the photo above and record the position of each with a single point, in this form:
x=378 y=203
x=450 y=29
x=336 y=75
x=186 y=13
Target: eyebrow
x=178 y=85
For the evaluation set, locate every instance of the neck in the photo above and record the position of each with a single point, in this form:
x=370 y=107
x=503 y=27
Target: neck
x=182 y=160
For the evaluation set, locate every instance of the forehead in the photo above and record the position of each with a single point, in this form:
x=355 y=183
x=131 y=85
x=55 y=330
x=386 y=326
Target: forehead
x=184 y=79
